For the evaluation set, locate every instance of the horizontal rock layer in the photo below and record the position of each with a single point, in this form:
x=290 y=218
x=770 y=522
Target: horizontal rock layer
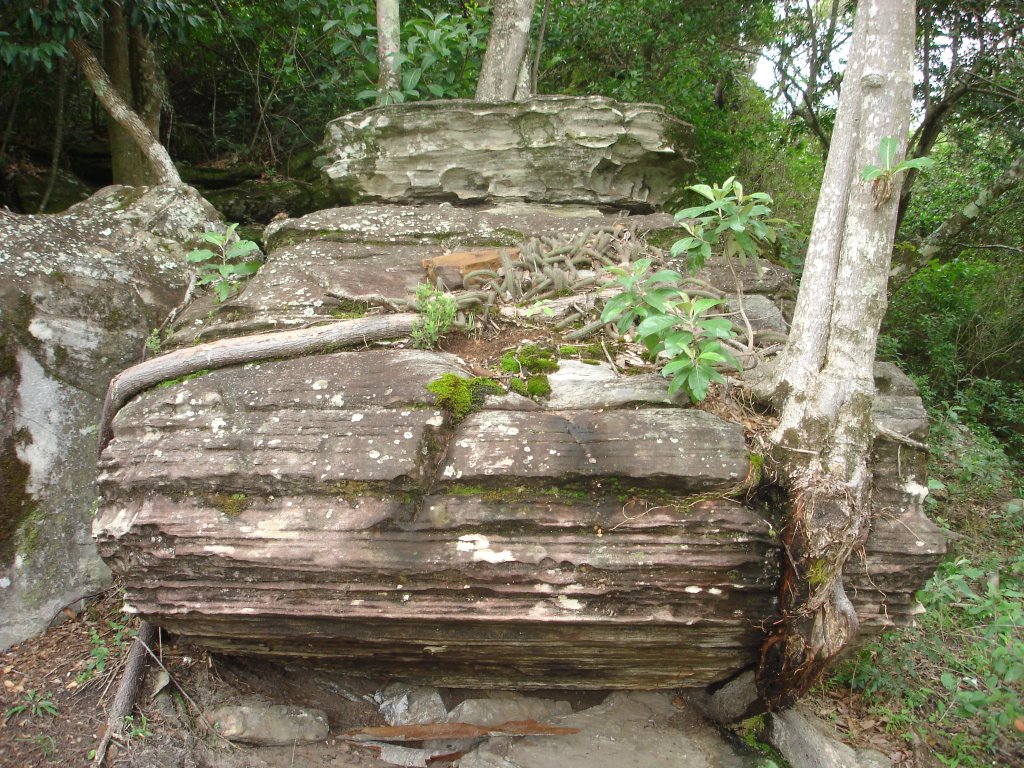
x=550 y=149
x=323 y=508
x=329 y=263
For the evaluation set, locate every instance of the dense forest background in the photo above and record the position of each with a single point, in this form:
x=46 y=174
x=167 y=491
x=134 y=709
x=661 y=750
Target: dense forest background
x=241 y=92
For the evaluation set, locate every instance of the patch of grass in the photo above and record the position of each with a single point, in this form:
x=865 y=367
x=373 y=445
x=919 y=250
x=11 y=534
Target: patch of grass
x=956 y=679
x=35 y=704
x=182 y=379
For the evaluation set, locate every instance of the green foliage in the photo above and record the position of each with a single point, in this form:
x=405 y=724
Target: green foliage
x=439 y=56
x=738 y=221
x=691 y=57
x=136 y=727
x=882 y=176
x=961 y=670
x=672 y=326
x=100 y=649
x=888 y=147
x=34 y=34
x=154 y=342
x=956 y=327
x=957 y=676
x=437 y=313
x=35 y=703
x=222 y=267
x=461 y=396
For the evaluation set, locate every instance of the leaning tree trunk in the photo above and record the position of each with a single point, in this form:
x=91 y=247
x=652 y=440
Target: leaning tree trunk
x=159 y=161
x=824 y=378
x=507 y=45
x=388 y=43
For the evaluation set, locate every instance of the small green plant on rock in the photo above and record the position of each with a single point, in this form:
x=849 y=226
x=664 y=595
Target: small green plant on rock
x=460 y=396
x=437 y=313
x=154 y=342
x=672 y=325
x=222 y=265
x=741 y=223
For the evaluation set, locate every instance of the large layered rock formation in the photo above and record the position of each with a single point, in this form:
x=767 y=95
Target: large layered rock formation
x=326 y=508
x=549 y=149
x=79 y=293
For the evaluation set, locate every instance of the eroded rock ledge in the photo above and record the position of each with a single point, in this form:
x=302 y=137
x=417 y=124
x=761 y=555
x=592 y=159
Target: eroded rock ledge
x=549 y=149
x=324 y=508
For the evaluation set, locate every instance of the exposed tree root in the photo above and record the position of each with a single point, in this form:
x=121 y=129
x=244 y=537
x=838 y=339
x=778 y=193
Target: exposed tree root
x=247 y=349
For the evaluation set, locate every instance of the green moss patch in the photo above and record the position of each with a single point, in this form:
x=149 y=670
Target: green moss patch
x=232 y=504
x=461 y=396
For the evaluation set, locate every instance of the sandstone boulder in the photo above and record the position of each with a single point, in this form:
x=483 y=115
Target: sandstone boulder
x=549 y=149
x=327 y=508
x=79 y=293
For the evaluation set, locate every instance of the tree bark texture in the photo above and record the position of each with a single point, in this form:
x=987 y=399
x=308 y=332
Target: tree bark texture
x=149 y=88
x=388 y=44
x=507 y=45
x=128 y=162
x=126 y=117
x=825 y=382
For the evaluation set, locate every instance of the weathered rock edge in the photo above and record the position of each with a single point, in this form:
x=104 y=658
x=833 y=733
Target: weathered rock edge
x=549 y=149
x=79 y=293
x=321 y=508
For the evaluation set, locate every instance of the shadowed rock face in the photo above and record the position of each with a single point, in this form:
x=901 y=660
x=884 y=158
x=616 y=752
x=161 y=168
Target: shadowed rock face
x=550 y=149
x=79 y=293
x=324 y=507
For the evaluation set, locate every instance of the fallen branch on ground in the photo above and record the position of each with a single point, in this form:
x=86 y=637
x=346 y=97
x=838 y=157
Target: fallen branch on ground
x=127 y=691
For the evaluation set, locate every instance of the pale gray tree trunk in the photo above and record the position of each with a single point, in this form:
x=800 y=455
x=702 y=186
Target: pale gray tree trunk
x=160 y=162
x=524 y=88
x=388 y=43
x=507 y=46
x=824 y=383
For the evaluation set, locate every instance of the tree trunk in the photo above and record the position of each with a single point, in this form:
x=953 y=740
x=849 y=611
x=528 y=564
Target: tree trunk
x=524 y=89
x=952 y=227
x=825 y=376
x=149 y=88
x=127 y=160
x=506 y=47
x=388 y=43
x=539 y=48
x=159 y=161
x=58 y=133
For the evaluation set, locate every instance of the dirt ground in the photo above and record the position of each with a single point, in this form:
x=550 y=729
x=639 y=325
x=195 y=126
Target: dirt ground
x=56 y=689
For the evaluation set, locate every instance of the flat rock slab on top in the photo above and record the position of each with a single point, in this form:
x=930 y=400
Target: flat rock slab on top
x=320 y=264
x=550 y=149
